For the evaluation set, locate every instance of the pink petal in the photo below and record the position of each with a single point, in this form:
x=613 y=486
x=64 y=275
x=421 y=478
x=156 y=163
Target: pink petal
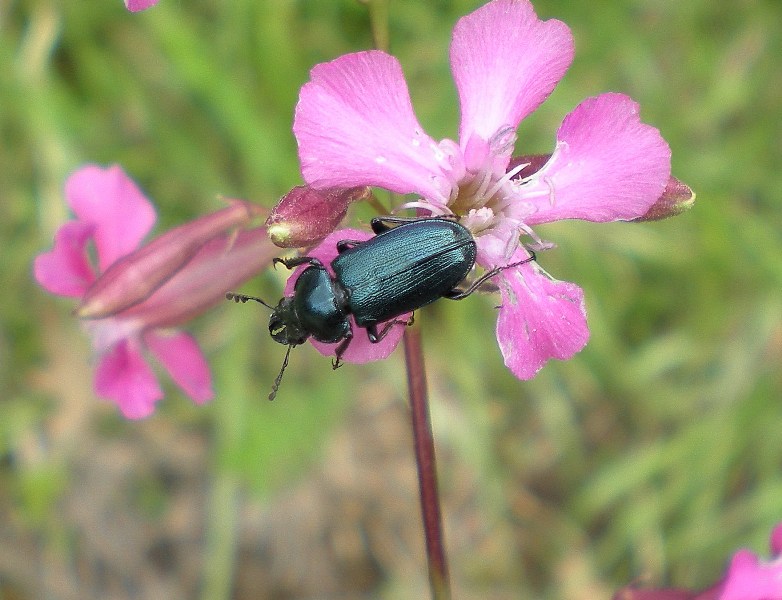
x=360 y=350
x=607 y=165
x=540 y=318
x=65 y=270
x=750 y=579
x=124 y=376
x=112 y=202
x=137 y=5
x=355 y=126
x=506 y=62
x=180 y=355
x=776 y=540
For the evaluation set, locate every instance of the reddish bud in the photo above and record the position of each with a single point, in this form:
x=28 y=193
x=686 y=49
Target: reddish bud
x=304 y=216
x=220 y=264
x=677 y=198
x=134 y=277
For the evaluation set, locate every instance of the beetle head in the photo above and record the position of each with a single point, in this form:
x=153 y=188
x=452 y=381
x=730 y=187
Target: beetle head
x=285 y=326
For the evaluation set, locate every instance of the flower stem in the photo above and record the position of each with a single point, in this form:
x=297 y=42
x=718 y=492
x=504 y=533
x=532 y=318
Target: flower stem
x=378 y=18
x=419 y=402
x=375 y=203
x=427 y=470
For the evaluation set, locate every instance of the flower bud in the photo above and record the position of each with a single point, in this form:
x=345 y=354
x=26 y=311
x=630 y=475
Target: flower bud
x=677 y=198
x=218 y=266
x=132 y=278
x=305 y=215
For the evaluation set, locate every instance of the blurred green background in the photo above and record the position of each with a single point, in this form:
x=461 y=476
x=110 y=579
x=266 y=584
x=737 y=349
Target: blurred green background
x=650 y=456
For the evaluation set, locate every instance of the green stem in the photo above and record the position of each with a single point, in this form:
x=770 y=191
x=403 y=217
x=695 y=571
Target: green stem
x=427 y=469
x=379 y=207
x=378 y=19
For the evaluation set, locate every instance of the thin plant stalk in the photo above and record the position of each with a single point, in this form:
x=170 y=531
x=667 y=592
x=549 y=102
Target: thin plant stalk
x=378 y=18
x=423 y=440
x=427 y=470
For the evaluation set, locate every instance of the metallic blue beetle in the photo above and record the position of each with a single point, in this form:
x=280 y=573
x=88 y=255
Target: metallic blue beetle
x=408 y=264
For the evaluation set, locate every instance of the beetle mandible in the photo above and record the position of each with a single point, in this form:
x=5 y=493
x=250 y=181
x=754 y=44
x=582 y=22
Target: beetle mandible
x=411 y=262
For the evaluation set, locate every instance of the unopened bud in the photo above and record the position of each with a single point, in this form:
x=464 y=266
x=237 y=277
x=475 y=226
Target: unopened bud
x=220 y=265
x=304 y=216
x=677 y=198
x=132 y=278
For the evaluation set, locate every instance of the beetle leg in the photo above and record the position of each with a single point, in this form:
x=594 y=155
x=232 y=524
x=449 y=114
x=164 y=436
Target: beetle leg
x=375 y=336
x=295 y=261
x=343 y=245
x=457 y=294
x=337 y=362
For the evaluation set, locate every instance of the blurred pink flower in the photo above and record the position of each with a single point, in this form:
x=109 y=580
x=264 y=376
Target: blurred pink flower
x=137 y=5
x=747 y=578
x=144 y=294
x=355 y=126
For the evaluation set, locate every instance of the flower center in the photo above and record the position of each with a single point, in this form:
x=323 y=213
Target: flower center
x=484 y=190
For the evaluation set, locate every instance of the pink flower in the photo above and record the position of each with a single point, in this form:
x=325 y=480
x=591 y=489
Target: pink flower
x=748 y=578
x=355 y=126
x=137 y=5
x=138 y=294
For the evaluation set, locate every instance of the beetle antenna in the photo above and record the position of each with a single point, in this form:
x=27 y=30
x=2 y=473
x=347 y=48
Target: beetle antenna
x=277 y=381
x=530 y=258
x=242 y=298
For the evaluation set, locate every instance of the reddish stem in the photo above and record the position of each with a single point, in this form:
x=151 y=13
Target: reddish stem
x=427 y=471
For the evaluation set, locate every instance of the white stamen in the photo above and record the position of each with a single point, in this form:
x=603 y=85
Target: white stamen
x=480 y=194
x=503 y=141
x=551 y=194
x=433 y=208
x=505 y=179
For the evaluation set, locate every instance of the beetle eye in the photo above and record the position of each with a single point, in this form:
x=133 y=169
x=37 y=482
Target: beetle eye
x=284 y=333
x=284 y=327
x=278 y=329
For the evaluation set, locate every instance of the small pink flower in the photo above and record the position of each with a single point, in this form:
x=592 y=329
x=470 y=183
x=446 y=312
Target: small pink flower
x=748 y=578
x=190 y=270
x=137 y=5
x=355 y=126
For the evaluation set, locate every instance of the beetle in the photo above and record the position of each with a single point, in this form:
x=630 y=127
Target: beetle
x=411 y=262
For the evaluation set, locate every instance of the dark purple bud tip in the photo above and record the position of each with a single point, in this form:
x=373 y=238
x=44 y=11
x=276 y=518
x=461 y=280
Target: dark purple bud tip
x=677 y=198
x=304 y=216
x=532 y=164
